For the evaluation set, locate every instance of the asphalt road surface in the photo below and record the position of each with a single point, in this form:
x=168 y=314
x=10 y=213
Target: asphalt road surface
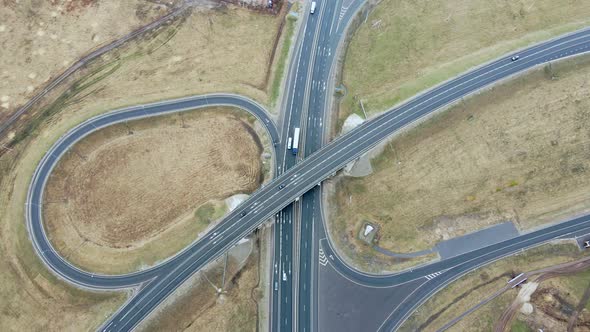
x=296 y=111
x=35 y=195
x=336 y=18
x=339 y=280
x=305 y=175
x=281 y=299
x=304 y=107
x=299 y=179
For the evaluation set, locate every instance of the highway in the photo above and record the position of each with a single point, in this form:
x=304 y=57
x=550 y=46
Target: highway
x=303 y=107
x=294 y=110
x=299 y=179
x=336 y=16
x=281 y=300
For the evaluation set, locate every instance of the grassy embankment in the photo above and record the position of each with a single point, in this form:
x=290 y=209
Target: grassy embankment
x=477 y=285
x=287 y=40
x=518 y=152
x=406 y=47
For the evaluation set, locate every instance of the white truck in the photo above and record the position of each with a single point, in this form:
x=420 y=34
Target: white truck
x=296 y=140
x=312 y=10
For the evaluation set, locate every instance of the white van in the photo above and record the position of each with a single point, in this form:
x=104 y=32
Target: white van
x=312 y=10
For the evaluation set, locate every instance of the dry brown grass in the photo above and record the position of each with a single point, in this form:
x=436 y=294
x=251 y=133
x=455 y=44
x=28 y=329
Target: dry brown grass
x=118 y=201
x=200 y=52
x=477 y=285
x=518 y=152
x=407 y=46
x=32 y=298
x=46 y=37
x=224 y=50
x=59 y=307
x=200 y=308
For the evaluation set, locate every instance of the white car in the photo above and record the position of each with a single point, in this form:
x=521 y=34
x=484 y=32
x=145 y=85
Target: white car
x=284 y=276
x=587 y=244
x=514 y=58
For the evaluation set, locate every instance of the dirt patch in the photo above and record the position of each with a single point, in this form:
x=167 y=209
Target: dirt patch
x=516 y=153
x=470 y=289
x=128 y=186
x=46 y=37
x=404 y=47
x=560 y=303
x=522 y=304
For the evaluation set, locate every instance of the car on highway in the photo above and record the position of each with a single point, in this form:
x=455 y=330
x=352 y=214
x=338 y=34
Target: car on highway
x=514 y=58
x=312 y=10
x=281 y=186
x=587 y=244
x=243 y=214
x=284 y=276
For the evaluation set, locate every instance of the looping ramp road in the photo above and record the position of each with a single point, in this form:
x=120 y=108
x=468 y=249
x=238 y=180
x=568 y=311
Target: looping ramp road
x=34 y=206
x=277 y=194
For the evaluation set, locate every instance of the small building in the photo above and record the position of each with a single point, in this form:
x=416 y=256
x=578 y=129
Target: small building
x=368 y=229
x=367 y=232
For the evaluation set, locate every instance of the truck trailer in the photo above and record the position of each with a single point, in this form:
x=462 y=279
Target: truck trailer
x=295 y=141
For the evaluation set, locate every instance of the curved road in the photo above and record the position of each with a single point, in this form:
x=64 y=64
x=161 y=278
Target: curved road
x=305 y=175
x=35 y=195
x=265 y=202
x=449 y=269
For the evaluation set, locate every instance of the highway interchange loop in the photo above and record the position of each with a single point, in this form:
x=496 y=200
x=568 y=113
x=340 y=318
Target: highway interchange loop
x=34 y=215
x=161 y=280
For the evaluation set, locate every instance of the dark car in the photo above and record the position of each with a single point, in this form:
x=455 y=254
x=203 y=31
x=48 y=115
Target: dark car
x=243 y=214
x=281 y=186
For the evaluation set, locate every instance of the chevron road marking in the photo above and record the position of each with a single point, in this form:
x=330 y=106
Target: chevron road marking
x=433 y=275
x=323 y=258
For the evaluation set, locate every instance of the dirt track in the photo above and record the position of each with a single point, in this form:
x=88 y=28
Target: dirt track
x=540 y=276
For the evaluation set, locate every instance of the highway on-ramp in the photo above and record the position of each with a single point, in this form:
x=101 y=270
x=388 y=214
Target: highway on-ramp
x=413 y=287
x=34 y=213
x=299 y=179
